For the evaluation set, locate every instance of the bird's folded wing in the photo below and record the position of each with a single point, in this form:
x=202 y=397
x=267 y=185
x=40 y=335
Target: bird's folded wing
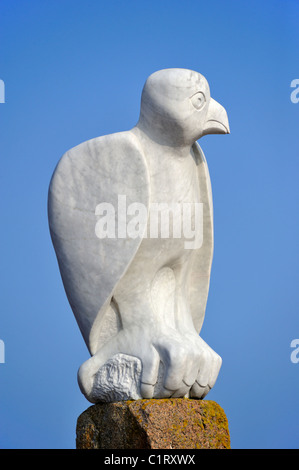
x=202 y=260
x=95 y=172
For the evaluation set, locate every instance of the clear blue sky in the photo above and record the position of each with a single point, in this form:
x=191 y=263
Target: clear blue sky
x=74 y=70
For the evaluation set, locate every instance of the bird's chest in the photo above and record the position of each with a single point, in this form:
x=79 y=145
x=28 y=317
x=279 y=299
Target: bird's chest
x=175 y=208
x=174 y=180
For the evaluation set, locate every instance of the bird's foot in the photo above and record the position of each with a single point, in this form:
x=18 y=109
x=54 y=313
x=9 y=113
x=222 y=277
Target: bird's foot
x=166 y=363
x=191 y=367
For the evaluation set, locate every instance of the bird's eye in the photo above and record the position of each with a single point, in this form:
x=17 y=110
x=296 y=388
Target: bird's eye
x=198 y=100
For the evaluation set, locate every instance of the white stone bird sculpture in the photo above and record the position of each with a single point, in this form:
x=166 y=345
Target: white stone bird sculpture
x=141 y=298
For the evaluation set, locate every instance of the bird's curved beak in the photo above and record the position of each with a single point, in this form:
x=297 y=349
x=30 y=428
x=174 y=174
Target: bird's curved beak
x=217 y=120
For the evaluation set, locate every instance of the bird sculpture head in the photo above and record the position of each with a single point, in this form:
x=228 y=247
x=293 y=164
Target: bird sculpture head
x=177 y=108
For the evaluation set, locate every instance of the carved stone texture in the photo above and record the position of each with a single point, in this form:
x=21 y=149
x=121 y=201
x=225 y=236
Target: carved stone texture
x=118 y=380
x=154 y=424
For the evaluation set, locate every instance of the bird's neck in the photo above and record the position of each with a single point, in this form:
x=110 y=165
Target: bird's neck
x=151 y=137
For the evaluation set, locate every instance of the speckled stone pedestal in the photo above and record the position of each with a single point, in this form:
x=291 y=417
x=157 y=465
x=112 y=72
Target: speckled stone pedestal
x=175 y=423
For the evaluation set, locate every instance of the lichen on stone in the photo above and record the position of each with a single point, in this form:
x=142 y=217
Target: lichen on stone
x=174 y=423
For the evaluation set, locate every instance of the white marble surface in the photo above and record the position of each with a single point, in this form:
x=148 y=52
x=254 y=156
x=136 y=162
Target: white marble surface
x=142 y=297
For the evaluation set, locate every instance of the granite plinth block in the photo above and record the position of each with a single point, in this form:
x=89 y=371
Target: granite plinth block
x=172 y=423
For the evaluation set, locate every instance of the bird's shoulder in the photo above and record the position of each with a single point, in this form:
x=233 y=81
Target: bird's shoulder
x=118 y=144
